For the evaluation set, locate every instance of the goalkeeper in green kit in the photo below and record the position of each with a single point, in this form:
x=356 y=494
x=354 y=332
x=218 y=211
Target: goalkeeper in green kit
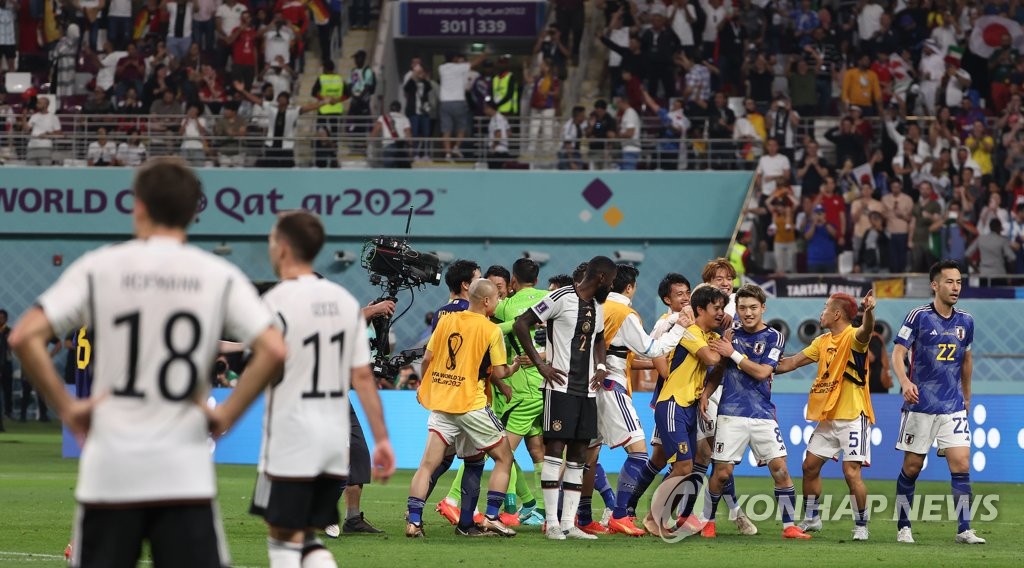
x=522 y=414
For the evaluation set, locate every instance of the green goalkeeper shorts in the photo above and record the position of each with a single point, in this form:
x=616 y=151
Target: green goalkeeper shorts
x=522 y=417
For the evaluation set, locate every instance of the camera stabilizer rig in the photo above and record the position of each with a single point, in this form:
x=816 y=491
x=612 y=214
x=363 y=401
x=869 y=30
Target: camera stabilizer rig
x=395 y=266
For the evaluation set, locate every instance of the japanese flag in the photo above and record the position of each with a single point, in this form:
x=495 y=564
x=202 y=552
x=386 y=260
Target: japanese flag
x=864 y=175
x=988 y=33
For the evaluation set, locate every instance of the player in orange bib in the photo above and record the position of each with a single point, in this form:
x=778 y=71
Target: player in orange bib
x=840 y=402
x=465 y=350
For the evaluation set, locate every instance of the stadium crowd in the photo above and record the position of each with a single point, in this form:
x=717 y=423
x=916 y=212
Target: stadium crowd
x=891 y=130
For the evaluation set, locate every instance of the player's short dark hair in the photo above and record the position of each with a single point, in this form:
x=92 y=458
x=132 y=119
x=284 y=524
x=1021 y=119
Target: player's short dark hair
x=671 y=279
x=713 y=266
x=751 y=291
x=579 y=272
x=600 y=265
x=499 y=271
x=459 y=273
x=561 y=280
x=704 y=296
x=169 y=189
x=526 y=270
x=938 y=267
x=303 y=232
x=625 y=275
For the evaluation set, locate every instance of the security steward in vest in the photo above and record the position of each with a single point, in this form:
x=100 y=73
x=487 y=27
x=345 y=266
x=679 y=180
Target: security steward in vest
x=329 y=88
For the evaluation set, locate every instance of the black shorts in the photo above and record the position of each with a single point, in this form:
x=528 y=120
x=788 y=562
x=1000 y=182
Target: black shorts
x=178 y=535
x=359 y=454
x=297 y=505
x=8 y=51
x=569 y=417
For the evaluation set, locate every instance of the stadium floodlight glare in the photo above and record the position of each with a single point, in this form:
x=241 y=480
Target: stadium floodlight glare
x=345 y=257
x=537 y=256
x=630 y=256
x=444 y=256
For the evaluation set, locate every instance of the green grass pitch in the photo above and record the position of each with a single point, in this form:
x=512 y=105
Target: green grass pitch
x=36 y=506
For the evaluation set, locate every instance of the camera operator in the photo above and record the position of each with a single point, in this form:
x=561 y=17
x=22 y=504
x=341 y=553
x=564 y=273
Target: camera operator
x=223 y=375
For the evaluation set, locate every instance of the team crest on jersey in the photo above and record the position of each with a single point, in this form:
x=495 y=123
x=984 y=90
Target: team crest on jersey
x=759 y=347
x=556 y=425
x=719 y=447
x=910 y=439
x=683 y=447
x=586 y=327
x=961 y=332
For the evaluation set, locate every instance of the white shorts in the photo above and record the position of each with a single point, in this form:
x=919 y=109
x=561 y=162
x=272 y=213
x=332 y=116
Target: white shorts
x=851 y=437
x=617 y=422
x=471 y=433
x=919 y=430
x=707 y=429
x=736 y=433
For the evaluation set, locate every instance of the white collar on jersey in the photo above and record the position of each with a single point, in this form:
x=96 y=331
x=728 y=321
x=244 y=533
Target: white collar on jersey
x=616 y=297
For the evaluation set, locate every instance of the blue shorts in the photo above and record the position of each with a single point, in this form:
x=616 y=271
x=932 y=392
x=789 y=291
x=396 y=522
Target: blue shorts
x=677 y=427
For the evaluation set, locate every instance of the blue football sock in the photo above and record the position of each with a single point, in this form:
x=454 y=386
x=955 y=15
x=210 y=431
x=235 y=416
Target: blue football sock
x=961 y=483
x=603 y=487
x=471 y=491
x=415 y=506
x=786 y=499
x=494 y=501
x=711 y=503
x=629 y=478
x=729 y=492
x=860 y=518
x=904 y=498
x=690 y=500
x=440 y=470
x=584 y=513
x=647 y=475
x=700 y=468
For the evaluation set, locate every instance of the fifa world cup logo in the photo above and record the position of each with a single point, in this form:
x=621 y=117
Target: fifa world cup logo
x=454 y=344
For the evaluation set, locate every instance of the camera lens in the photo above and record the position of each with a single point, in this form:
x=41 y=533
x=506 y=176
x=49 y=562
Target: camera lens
x=220 y=367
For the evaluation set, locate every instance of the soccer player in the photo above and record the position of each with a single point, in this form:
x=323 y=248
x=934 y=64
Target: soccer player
x=746 y=415
x=465 y=349
x=676 y=409
x=459 y=277
x=82 y=345
x=722 y=275
x=840 y=402
x=937 y=397
x=302 y=468
x=501 y=278
x=159 y=307
x=575 y=345
x=617 y=422
x=522 y=413
x=674 y=290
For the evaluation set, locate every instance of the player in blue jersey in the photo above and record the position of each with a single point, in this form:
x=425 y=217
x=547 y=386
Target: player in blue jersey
x=746 y=414
x=82 y=345
x=937 y=397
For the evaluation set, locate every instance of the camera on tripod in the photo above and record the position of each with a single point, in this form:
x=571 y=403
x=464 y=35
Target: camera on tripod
x=394 y=266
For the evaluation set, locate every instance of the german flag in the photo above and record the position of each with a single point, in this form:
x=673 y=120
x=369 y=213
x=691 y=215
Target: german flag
x=141 y=25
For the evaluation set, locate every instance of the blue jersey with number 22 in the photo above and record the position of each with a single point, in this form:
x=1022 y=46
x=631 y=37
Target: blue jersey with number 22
x=937 y=348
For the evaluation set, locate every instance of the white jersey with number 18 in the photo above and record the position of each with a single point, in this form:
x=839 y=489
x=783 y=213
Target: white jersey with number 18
x=306 y=421
x=158 y=309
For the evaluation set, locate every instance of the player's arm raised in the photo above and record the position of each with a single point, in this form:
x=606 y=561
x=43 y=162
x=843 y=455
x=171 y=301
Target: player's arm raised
x=365 y=386
x=867 y=326
x=28 y=341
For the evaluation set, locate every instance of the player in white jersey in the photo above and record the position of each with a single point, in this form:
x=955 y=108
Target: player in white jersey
x=157 y=308
x=303 y=463
x=617 y=422
x=720 y=274
x=576 y=347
